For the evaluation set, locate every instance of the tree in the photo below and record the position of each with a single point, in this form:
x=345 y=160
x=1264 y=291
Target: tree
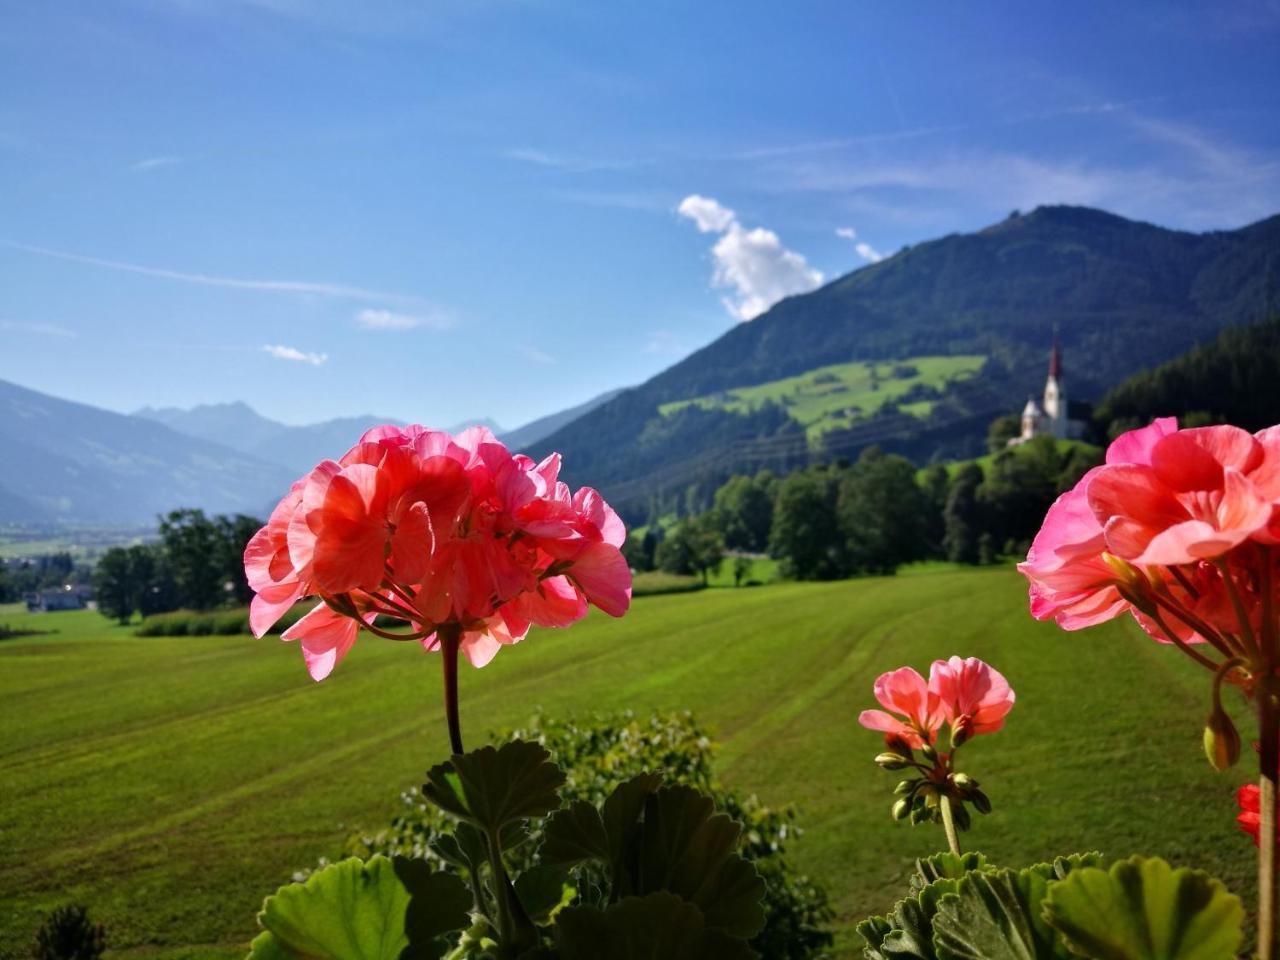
x=805 y=535
x=881 y=513
x=741 y=567
x=639 y=551
x=933 y=486
x=743 y=511
x=158 y=593
x=693 y=546
x=196 y=553
x=235 y=533
x=1002 y=430
x=114 y=586
x=962 y=517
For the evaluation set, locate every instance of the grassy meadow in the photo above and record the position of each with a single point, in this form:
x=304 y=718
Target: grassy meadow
x=839 y=395
x=170 y=783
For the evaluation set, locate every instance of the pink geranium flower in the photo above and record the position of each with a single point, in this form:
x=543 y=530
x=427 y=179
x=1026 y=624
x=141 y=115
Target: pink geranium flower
x=1194 y=501
x=442 y=533
x=919 y=713
x=974 y=697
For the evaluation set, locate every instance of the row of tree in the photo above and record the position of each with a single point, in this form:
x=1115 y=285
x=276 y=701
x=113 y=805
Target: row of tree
x=196 y=564
x=20 y=577
x=873 y=515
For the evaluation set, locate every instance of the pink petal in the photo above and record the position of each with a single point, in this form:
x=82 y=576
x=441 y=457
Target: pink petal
x=1136 y=445
x=604 y=576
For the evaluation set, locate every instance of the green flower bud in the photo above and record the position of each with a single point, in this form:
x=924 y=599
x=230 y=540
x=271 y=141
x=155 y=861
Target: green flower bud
x=1221 y=741
x=930 y=754
x=901 y=808
x=893 y=761
x=964 y=782
x=960 y=816
x=905 y=788
x=980 y=801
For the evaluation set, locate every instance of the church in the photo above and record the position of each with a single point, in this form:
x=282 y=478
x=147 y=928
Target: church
x=1051 y=417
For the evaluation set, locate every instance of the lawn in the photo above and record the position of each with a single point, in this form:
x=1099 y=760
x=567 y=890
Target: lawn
x=839 y=395
x=169 y=783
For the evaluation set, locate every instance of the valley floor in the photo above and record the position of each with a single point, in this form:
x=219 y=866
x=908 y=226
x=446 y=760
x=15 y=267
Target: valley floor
x=169 y=784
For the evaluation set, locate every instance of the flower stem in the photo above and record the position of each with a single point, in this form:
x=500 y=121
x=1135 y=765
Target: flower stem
x=450 y=636
x=1269 y=762
x=949 y=824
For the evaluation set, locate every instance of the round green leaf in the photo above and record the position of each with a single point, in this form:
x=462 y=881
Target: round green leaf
x=493 y=787
x=660 y=926
x=380 y=910
x=1143 y=909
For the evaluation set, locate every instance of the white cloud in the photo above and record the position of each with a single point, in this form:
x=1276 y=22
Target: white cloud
x=868 y=252
x=41 y=329
x=333 y=290
x=372 y=319
x=753 y=263
x=151 y=163
x=846 y=233
x=569 y=164
x=281 y=352
x=708 y=214
x=664 y=342
x=534 y=355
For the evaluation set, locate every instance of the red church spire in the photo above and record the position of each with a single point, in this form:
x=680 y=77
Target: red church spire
x=1055 y=361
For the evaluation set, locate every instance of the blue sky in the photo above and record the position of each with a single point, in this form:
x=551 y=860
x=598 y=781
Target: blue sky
x=436 y=211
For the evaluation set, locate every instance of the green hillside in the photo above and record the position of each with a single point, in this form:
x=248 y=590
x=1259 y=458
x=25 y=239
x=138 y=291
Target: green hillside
x=839 y=395
x=1122 y=296
x=170 y=783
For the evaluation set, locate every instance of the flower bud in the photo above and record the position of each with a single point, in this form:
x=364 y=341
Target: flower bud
x=964 y=782
x=1221 y=741
x=960 y=816
x=930 y=754
x=896 y=744
x=893 y=761
x=981 y=802
x=901 y=808
x=905 y=788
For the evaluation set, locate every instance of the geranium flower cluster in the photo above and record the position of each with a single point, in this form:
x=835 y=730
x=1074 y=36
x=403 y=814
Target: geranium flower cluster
x=452 y=535
x=968 y=698
x=1175 y=528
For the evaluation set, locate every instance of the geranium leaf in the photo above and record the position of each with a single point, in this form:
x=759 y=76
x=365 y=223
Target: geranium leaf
x=945 y=864
x=1143 y=909
x=574 y=835
x=994 y=915
x=873 y=930
x=493 y=787
x=660 y=926
x=380 y=910
x=542 y=889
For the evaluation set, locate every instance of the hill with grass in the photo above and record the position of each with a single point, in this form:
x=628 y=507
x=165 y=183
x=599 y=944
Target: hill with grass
x=1121 y=296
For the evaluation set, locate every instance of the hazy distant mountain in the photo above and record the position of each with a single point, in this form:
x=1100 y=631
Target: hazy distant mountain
x=297 y=449
x=70 y=461
x=536 y=430
x=1122 y=295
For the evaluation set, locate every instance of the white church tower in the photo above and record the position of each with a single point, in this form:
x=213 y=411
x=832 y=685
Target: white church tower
x=1055 y=396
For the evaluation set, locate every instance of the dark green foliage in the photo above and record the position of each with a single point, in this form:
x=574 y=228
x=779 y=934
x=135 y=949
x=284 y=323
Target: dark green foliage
x=882 y=513
x=597 y=756
x=113 y=585
x=1232 y=379
x=694 y=546
x=1002 y=430
x=234 y=534
x=743 y=511
x=68 y=934
x=806 y=534
x=640 y=552
x=196 y=551
x=962 y=516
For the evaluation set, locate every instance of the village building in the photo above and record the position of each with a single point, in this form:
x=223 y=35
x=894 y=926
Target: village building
x=1051 y=417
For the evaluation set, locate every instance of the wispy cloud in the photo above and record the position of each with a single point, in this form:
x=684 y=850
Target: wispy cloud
x=333 y=290
x=664 y=343
x=566 y=163
x=861 y=247
x=753 y=263
x=372 y=319
x=535 y=355
x=151 y=163
x=281 y=352
x=39 y=329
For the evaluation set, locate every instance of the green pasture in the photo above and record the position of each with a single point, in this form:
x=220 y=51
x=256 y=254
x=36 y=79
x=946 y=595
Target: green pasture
x=169 y=783
x=836 y=396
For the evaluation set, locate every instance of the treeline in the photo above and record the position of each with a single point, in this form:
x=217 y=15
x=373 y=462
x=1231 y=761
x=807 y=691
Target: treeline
x=1232 y=379
x=197 y=564
x=20 y=577
x=871 y=516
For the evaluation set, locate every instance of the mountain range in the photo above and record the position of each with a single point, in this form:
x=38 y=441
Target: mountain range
x=916 y=353
x=1119 y=296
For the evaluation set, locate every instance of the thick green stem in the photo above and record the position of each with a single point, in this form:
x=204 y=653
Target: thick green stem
x=949 y=824
x=450 y=636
